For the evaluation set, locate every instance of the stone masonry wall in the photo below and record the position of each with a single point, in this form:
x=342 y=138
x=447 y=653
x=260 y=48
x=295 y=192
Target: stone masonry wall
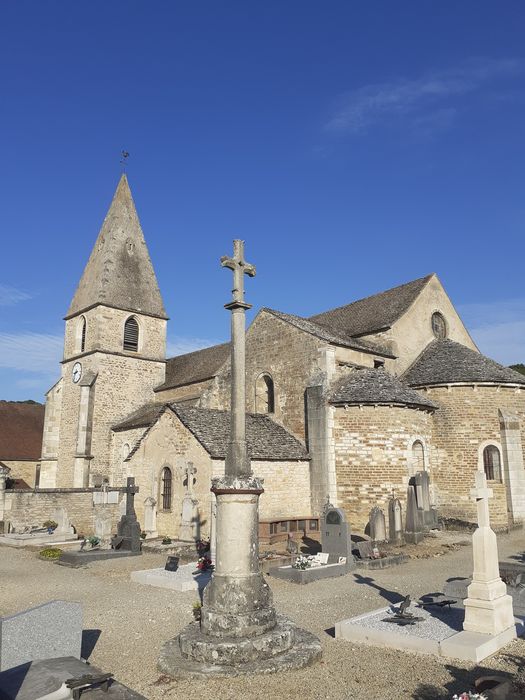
x=469 y=416
x=123 y=384
x=105 y=331
x=289 y=356
x=286 y=488
x=22 y=469
x=32 y=508
x=372 y=453
x=169 y=443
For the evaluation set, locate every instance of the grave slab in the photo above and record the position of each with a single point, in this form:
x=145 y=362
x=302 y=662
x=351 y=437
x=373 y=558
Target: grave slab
x=37 y=539
x=303 y=576
x=41 y=678
x=47 y=631
x=78 y=559
x=180 y=580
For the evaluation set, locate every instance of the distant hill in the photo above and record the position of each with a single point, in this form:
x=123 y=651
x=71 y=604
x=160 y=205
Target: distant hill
x=518 y=368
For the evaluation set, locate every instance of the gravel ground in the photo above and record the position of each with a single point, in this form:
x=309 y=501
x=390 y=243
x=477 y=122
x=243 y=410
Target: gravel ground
x=134 y=620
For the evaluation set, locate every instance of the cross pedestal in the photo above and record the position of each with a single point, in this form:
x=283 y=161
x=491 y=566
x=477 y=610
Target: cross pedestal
x=240 y=632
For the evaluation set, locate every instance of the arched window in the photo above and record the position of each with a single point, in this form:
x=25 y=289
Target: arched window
x=417 y=457
x=264 y=394
x=125 y=451
x=439 y=325
x=131 y=334
x=83 y=325
x=166 y=488
x=492 y=463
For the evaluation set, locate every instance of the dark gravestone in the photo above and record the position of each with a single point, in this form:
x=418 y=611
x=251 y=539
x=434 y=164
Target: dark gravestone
x=172 y=564
x=414 y=519
x=129 y=527
x=335 y=536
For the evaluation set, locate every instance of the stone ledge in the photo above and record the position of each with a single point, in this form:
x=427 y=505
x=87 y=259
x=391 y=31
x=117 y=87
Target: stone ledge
x=383 y=562
x=306 y=650
x=304 y=576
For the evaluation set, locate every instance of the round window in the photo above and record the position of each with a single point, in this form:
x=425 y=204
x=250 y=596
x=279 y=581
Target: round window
x=439 y=326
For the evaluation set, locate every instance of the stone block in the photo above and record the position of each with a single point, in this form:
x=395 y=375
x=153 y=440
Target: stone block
x=303 y=576
x=180 y=580
x=47 y=631
x=473 y=646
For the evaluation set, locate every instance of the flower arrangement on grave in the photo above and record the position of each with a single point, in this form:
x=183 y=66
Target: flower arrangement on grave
x=204 y=564
x=196 y=609
x=50 y=525
x=143 y=535
x=166 y=540
x=469 y=696
x=51 y=553
x=302 y=562
x=94 y=541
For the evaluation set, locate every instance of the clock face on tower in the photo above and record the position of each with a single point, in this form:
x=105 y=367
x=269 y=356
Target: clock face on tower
x=77 y=372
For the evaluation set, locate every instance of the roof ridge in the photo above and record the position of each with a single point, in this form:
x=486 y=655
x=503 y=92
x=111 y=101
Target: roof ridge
x=371 y=296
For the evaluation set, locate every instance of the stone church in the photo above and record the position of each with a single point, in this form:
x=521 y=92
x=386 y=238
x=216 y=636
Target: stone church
x=346 y=404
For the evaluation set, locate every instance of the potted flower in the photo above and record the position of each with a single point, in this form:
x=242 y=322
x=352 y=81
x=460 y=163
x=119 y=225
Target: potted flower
x=51 y=526
x=196 y=609
x=204 y=564
x=302 y=562
x=166 y=540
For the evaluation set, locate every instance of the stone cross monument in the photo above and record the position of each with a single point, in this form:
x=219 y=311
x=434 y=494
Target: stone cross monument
x=239 y=630
x=188 y=506
x=488 y=608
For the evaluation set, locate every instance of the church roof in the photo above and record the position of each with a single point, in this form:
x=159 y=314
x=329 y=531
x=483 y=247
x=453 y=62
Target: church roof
x=377 y=387
x=21 y=430
x=266 y=439
x=448 y=362
x=373 y=313
x=331 y=336
x=194 y=366
x=119 y=272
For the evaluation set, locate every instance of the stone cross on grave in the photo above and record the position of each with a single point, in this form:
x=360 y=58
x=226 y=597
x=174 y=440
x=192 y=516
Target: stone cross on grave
x=130 y=491
x=482 y=494
x=237 y=461
x=190 y=470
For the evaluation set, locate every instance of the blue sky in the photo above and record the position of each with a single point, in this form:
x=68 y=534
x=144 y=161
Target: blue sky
x=354 y=146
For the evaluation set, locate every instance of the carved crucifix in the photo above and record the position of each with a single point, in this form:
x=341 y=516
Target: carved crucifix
x=482 y=494
x=237 y=461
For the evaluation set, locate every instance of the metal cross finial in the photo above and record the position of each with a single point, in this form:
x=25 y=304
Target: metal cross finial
x=240 y=268
x=124 y=155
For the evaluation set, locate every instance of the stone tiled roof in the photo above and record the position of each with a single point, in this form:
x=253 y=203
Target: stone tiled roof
x=119 y=272
x=194 y=366
x=448 y=362
x=144 y=417
x=266 y=439
x=373 y=313
x=21 y=430
x=329 y=335
x=377 y=387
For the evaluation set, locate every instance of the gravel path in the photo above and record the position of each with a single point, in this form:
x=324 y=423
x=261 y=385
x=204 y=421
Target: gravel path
x=134 y=620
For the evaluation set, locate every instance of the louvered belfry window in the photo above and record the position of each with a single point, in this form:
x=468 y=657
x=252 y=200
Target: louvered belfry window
x=83 y=335
x=166 y=488
x=131 y=335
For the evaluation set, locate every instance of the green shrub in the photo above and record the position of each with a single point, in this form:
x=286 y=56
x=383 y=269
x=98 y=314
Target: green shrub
x=50 y=553
x=50 y=524
x=166 y=540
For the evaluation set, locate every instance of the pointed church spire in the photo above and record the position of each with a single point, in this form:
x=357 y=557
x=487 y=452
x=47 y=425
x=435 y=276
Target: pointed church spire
x=119 y=272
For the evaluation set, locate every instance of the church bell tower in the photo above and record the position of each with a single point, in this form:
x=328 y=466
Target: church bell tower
x=114 y=351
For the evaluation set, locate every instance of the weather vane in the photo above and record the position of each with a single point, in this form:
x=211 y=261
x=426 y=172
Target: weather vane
x=124 y=158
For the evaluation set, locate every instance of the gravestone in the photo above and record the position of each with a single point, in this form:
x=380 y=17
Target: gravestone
x=47 y=631
x=377 y=525
x=414 y=524
x=150 y=517
x=172 y=563
x=63 y=523
x=188 y=506
x=102 y=528
x=421 y=482
x=335 y=536
x=129 y=527
x=366 y=549
x=395 y=521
